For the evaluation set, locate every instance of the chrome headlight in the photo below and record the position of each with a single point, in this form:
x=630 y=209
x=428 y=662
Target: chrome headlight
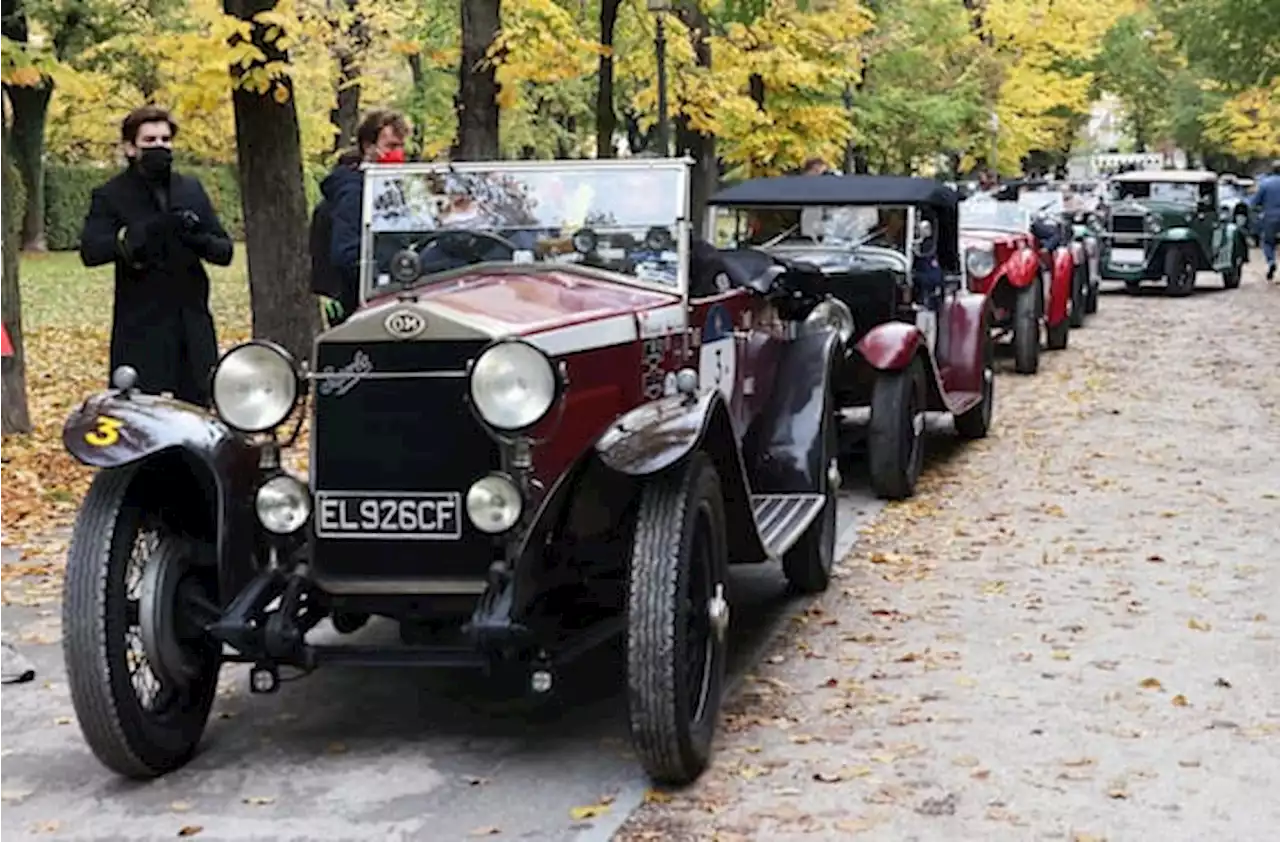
x=980 y=261
x=1154 y=225
x=255 y=386
x=283 y=504
x=513 y=385
x=494 y=504
x=830 y=314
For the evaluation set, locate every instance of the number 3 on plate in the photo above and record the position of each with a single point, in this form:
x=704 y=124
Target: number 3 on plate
x=106 y=433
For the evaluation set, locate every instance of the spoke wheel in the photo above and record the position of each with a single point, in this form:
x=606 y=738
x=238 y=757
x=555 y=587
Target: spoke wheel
x=142 y=674
x=677 y=621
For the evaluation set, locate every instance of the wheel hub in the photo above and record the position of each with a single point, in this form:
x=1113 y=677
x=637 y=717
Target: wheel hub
x=158 y=600
x=718 y=613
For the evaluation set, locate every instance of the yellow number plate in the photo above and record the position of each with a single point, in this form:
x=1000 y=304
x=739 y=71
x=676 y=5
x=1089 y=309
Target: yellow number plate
x=106 y=433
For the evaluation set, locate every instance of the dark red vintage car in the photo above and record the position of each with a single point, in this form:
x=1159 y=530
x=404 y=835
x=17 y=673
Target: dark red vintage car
x=1027 y=268
x=883 y=256
x=556 y=419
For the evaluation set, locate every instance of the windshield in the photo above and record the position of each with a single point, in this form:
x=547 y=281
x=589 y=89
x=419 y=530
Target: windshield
x=1163 y=191
x=985 y=212
x=842 y=226
x=423 y=220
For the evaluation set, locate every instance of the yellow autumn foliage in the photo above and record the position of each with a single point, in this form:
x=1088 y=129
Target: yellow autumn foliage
x=1248 y=124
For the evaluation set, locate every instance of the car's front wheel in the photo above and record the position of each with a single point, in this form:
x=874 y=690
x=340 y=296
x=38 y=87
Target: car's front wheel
x=1026 y=330
x=142 y=672
x=1180 y=271
x=895 y=440
x=677 y=621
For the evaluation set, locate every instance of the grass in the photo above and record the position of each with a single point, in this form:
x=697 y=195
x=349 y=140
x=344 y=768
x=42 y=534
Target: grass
x=66 y=320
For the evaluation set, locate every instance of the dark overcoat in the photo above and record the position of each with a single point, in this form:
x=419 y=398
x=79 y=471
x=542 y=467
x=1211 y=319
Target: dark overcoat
x=161 y=324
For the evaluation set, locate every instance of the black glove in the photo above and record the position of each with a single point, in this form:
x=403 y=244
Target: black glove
x=144 y=241
x=189 y=230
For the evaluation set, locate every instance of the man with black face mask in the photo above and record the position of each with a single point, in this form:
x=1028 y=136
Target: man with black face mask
x=157 y=226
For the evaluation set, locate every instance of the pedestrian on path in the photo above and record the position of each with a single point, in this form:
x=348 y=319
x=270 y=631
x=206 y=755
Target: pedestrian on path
x=157 y=226
x=1268 y=198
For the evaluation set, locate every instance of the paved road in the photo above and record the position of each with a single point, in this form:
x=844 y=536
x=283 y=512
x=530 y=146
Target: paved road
x=356 y=753
x=1069 y=635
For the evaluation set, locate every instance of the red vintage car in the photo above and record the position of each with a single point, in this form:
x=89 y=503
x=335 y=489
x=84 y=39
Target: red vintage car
x=520 y=450
x=1026 y=266
x=884 y=257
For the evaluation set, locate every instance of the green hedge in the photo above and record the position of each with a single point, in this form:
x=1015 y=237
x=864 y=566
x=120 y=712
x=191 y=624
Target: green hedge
x=69 y=189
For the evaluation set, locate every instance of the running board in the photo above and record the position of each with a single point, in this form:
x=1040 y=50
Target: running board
x=783 y=518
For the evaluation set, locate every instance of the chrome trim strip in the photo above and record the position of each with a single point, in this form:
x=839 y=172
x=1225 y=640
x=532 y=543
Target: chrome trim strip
x=385 y=375
x=401 y=587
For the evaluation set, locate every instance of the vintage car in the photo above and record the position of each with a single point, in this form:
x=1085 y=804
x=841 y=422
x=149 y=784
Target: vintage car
x=516 y=459
x=883 y=256
x=1031 y=282
x=1233 y=197
x=1165 y=226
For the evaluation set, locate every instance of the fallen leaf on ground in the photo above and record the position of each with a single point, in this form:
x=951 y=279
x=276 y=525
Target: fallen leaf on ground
x=488 y=830
x=656 y=796
x=62 y=720
x=981 y=774
x=180 y=806
x=1180 y=701
x=1117 y=793
x=1151 y=684
x=1189 y=764
x=1081 y=761
x=46 y=827
x=259 y=800
x=1061 y=655
x=965 y=760
x=1196 y=625
x=190 y=830
x=336 y=748
x=591 y=811
x=844 y=773
x=856 y=825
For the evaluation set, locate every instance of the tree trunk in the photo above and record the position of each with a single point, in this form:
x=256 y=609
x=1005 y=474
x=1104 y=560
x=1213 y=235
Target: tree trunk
x=269 y=153
x=346 y=113
x=30 y=108
x=606 y=117
x=476 y=102
x=706 y=171
x=14 y=417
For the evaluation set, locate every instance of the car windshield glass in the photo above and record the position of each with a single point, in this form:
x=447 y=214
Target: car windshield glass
x=425 y=220
x=842 y=226
x=1041 y=201
x=1163 y=191
x=985 y=212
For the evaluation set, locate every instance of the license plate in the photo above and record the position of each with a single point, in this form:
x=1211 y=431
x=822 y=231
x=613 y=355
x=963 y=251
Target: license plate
x=405 y=516
x=1128 y=256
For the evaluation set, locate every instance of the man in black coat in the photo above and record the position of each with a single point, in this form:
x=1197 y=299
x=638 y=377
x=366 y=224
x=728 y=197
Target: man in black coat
x=157 y=226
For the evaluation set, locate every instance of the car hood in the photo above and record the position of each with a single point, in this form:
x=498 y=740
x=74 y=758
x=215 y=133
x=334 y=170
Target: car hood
x=560 y=311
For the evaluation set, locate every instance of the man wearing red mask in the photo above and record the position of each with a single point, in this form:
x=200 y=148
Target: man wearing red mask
x=380 y=139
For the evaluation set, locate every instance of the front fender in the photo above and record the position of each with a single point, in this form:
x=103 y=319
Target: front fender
x=1022 y=268
x=784 y=447
x=654 y=436
x=110 y=430
x=890 y=346
x=1059 y=293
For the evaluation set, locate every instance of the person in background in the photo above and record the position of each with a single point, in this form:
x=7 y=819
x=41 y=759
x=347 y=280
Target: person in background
x=987 y=181
x=1267 y=198
x=157 y=226
x=336 y=222
x=814 y=166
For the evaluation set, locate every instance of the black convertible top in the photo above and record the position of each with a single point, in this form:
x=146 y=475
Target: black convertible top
x=801 y=190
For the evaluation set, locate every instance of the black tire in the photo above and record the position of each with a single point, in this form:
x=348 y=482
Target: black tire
x=895 y=439
x=1026 y=330
x=976 y=423
x=807 y=565
x=1091 y=298
x=1057 y=336
x=1180 y=271
x=1232 y=277
x=678 y=557
x=1079 y=294
x=125 y=735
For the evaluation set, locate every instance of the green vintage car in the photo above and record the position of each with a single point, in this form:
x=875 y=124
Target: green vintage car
x=1166 y=225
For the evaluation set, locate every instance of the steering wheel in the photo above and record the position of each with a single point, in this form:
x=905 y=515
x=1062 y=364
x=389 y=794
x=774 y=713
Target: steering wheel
x=468 y=242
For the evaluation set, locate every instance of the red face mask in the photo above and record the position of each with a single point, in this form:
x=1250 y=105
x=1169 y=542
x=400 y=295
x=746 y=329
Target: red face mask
x=394 y=156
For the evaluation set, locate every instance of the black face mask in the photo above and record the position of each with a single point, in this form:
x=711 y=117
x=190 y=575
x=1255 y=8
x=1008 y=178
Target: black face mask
x=154 y=162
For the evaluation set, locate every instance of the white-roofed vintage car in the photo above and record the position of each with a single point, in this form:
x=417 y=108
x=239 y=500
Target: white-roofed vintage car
x=1167 y=225
x=544 y=428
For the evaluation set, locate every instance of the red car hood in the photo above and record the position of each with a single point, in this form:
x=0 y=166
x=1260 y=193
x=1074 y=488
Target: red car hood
x=560 y=311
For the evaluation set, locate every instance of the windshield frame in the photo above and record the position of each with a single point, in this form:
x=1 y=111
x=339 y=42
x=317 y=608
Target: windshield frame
x=681 y=166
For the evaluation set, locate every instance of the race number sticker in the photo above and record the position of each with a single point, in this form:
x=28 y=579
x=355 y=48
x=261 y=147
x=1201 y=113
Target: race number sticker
x=718 y=357
x=105 y=433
